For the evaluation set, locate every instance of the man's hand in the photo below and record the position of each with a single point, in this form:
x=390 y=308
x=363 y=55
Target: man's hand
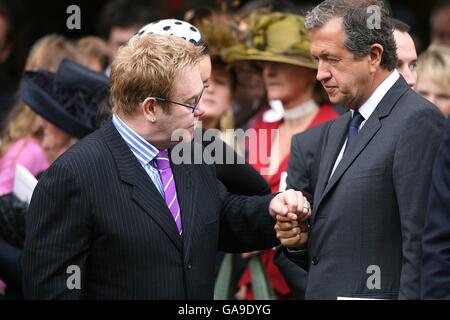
x=292 y=210
x=291 y=204
x=291 y=233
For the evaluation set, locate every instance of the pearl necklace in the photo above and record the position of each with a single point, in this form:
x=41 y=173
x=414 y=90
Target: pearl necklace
x=300 y=111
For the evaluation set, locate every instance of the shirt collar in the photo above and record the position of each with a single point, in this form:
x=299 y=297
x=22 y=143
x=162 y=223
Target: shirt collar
x=370 y=105
x=144 y=151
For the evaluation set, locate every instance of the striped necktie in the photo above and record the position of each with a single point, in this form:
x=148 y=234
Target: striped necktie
x=170 y=191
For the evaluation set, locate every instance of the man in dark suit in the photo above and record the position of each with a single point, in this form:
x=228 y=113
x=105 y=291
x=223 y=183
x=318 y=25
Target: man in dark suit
x=375 y=163
x=119 y=216
x=436 y=238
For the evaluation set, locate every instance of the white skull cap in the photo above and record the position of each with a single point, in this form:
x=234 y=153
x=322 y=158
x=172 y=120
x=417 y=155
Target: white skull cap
x=173 y=27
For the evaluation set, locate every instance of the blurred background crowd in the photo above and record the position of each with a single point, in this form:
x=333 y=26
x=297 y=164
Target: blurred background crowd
x=23 y=23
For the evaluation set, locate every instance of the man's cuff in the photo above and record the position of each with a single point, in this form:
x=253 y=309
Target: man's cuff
x=295 y=253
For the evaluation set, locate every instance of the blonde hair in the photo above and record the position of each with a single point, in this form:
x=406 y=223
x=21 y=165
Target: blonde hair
x=22 y=122
x=92 y=50
x=49 y=51
x=435 y=62
x=147 y=67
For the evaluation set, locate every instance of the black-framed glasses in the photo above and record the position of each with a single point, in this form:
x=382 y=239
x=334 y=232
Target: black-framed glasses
x=192 y=106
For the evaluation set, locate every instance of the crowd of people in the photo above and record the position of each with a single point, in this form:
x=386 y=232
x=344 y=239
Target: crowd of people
x=337 y=188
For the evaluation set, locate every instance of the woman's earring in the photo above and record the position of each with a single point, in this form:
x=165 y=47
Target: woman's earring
x=153 y=120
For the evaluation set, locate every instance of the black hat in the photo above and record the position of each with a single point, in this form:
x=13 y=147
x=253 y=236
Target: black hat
x=68 y=99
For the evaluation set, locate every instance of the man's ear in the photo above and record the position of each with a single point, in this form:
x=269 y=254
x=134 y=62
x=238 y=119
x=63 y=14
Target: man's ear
x=148 y=107
x=375 y=56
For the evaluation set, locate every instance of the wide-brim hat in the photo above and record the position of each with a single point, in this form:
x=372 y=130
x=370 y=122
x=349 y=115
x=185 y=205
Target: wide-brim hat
x=219 y=31
x=275 y=37
x=68 y=99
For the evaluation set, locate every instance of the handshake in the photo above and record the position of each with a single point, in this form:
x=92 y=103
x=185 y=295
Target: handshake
x=291 y=210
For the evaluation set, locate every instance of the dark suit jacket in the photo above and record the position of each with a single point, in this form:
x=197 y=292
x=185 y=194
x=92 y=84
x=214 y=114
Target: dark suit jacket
x=371 y=211
x=232 y=173
x=96 y=208
x=436 y=238
x=303 y=169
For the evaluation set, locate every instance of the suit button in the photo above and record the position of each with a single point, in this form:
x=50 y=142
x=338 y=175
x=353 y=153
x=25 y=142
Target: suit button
x=315 y=261
x=189 y=266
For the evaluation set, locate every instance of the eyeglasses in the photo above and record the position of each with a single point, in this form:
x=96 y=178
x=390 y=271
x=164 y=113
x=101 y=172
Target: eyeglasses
x=192 y=106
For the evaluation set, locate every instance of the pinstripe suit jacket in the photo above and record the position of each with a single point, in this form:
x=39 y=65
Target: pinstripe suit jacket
x=96 y=208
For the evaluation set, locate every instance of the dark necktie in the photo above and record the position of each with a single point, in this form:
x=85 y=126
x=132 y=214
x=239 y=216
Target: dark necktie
x=354 y=128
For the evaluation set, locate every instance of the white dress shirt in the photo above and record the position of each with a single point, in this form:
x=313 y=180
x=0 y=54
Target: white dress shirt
x=369 y=107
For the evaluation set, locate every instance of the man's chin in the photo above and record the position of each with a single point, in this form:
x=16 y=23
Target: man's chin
x=335 y=99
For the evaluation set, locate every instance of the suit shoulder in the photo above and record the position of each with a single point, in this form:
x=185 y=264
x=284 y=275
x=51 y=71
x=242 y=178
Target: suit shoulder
x=411 y=102
x=312 y=136
x=412 y=109
x=88 y=150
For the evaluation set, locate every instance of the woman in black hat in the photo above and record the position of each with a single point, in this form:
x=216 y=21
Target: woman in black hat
x=68 y=102
x=21 y=137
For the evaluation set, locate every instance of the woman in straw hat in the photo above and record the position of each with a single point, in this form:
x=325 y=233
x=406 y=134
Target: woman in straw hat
x=279 y=43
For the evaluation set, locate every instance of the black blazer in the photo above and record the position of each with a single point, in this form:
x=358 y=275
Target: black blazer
x=371 y=212
x=303 y=169
x=96 y=208
x=436 y=238
x=238 y=176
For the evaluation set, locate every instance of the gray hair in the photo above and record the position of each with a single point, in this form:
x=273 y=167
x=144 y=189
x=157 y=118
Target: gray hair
x=356 y=15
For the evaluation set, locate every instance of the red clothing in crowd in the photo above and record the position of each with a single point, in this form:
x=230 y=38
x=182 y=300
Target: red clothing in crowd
x=326 y=113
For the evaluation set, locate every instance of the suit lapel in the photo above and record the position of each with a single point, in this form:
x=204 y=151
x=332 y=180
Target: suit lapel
x=145 y=193
x=368 y=131
x=335 y=139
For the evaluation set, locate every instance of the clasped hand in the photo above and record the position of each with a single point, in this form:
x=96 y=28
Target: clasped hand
x=292 y=211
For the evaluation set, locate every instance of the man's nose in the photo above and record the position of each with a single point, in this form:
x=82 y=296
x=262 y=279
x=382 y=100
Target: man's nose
x=322 y=72
x=199 y=110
